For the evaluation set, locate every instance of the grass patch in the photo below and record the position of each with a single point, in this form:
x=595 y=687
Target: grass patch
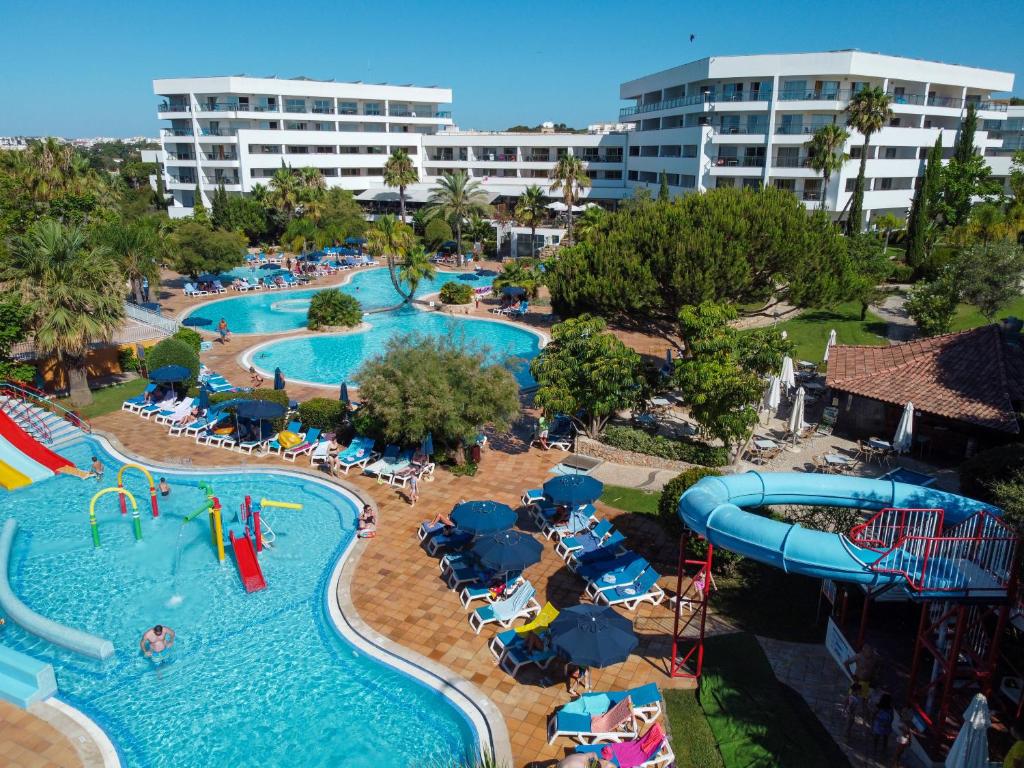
x=692 y=740
x=809 y=330
x=968 y=316
x=757 y=721
x=631 y=499
x=108 y=399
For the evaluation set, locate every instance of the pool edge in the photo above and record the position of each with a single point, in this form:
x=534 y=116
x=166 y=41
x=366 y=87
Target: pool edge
x=84 y=727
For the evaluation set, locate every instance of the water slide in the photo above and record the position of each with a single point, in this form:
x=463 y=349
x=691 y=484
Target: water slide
x=248 y=566
x=23 y=459
x=714 y=508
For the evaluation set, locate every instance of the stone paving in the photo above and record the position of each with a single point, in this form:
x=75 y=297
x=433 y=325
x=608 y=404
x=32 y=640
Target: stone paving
x=27 y=740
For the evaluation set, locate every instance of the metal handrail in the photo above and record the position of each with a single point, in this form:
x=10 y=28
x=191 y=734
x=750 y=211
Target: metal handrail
x=38 y=397
x=148 y=316
x=21 y=413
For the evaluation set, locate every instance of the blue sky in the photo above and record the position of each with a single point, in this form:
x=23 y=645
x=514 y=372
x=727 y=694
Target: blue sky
x=84 y=69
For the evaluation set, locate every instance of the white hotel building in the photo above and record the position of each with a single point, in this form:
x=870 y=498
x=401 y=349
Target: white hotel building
x=719 y=121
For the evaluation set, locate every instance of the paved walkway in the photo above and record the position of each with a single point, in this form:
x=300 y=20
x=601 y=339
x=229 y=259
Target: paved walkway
x=899 y=326
x=28 y=740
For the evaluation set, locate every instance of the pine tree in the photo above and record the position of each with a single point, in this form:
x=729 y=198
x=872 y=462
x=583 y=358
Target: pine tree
x=964 y=149
x=922 y=210
x=219 y=207
x=663 y=189
x=198 y=209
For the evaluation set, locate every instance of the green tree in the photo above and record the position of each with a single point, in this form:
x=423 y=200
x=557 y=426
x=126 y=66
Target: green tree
x=825 y=154
x=663 y=193
x=243 y=214
x=514 y=274
x=434 y=385
x=870 y=267
x=920 y=224
x=416 y=267
x=391 y=240
x=589 y=224
x=570 y=176
x=400 y=172
x=14 y=320
x=961 y=183
x=932 y=304
x=172 y=351
x=74 y=294
x=195 y=249
x=285 y=191
x=199 y=215
x=455 y=198
x=340 y=213
x=480 y=230
x=1017 y=176
x=138 y=246
x=437 y=232
x=990 y=275
x=332 y=308
x=887 y=223
x=720 y=375
x=587 y=373
x=217 y=206
x=869 y=112
x=530 y=211
x=963 y=148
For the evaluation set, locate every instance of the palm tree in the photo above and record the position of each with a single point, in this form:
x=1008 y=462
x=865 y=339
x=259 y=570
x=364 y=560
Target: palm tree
x=455 y=198
x=888 y=223
x=868 y=111
x=392 y=240
x=285 y=191
x=400 y=172
x=530 y=211
x=570 y=176
x=479 y=230
x=416 y=267
x=825 y=154
x=515 y=274
x=138 y=246
x=591 y=222
x=312 y=178
x=75 y=294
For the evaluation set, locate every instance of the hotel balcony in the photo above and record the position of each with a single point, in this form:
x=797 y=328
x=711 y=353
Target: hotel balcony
x=697 y=99
x=175 y=108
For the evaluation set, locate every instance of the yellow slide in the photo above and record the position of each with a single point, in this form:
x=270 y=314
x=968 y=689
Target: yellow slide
x=10 y=478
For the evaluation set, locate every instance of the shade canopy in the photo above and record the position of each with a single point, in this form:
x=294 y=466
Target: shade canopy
x=505 y=551
x=558 y=206
x=203 y=401
x=573 y=490
x=513 y=290
x=278 y=379
x=593 y=636
x=196 y=322
x=449 y=245
x=315 y=256
x=796 y=416
x=343 y=393
x=427 y=446
x=970 y=750
x=259 y=409
x=773 y=394
x=831 y=343
x=479 y=517
x=207 y=278
x=787 y=376
x=270 y=266
x=170 y=374
x=904 y=430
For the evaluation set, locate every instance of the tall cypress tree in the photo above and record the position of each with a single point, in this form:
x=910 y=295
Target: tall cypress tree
x=218 y=207
x=964 y=149
x=663 y=189
x=198 y=209
x=924 y=208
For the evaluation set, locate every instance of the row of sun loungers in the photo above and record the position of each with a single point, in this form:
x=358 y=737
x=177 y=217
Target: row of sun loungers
x=190 y=289
x=395 y=466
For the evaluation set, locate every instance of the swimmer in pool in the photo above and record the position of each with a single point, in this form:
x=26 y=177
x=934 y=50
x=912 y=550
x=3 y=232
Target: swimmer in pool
x=165 y=489
x=157 y=641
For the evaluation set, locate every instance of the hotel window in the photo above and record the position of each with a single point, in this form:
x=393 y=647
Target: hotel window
x=689 y=150
x=634 y=151
x=826 y=89
x=323 y=106
x=688 y=181
x=859 y=85
x=850 y=184
x=294 y=105
x=884 y=184
x=347 y=108
x=725 y=183
x=794 y=89
x=632 y=176
x=894 y=123
x=856 y=152
x=751 y=183
x=613 y=175
x=890 y=153
x=371 y=108
x=789 y=185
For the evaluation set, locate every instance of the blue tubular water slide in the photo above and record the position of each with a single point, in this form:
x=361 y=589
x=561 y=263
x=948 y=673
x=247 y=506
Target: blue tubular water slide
x=714 y=508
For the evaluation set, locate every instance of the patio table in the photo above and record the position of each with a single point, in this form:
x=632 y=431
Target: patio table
x=764 y=443
x=838 y=460
x=882 y=445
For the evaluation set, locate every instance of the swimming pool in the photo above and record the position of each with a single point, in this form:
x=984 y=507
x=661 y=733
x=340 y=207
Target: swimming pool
x=258 y=678
x=331 y=359
x=285 y=310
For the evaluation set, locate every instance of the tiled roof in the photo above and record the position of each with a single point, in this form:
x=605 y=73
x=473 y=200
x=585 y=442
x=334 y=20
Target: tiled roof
x=973 y=376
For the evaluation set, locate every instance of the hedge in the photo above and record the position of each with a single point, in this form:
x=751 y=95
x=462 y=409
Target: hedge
x=190 y=337
x=456 y=293
x=979 y=472
x=324 y=413
x=333 y=308
x=171 y=351
x=690 y=451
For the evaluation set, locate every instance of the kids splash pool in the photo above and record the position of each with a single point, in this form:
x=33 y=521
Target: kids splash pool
x=279 y=311
x=331 y=359
x=254 y=679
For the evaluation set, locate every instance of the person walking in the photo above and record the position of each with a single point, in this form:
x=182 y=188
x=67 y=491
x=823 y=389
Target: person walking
x=414 y=490
x=223 y=331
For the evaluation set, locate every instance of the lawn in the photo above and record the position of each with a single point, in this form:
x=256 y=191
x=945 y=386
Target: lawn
x=968 y=316
x=692 y=740
x=108 y=399
x=631 y=499
x=809 y=330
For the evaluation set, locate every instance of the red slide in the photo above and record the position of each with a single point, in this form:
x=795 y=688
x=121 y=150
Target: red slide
x=28 y=445
x=248 y=566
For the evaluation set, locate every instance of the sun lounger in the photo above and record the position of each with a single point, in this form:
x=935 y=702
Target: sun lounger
x=307 y=445
x=175 y=413
x=135 y=404
x=218 y=287
x=521 y=603
x=439 y=541
x=579 y=521
x=191 y=290
x=594 y=718
x=598 y=569
x=154 y=408
x=572 y=718
x=180 y=428
x=540 y=622
x=386 y=459
x=484 y=591
x=532 y=496
x=651 y=750
x=419 y=467
x=210 y=437
x=589 y=538
x=518 y=654
x=293 y=426
x=403 y=461
x=623 y=576
x=321 y=453
x=644 y=590
x=358 y=454
x=248 y=446
x=609 y=549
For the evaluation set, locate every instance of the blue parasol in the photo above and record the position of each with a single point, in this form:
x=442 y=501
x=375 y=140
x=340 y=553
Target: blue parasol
x=343 y=393
x=479 y=517
x=506 y=551
x=427 y=446
x=203 y=402
x=196 y=322
x=170 y=374
x=258 y=410
x=355 y=240
x=207 y=278
x=573 y=490
x=449 y=245
x=270 y=266
x=278 y=379
x=592 y=635
x=513 y=291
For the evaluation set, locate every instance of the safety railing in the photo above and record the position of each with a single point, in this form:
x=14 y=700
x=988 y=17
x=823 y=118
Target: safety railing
x=42 y=400
x=888 y=526
x=149 y=317
x=22 y=413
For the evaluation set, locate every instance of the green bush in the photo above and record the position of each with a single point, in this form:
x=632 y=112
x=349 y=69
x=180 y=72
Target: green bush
x=456 y=292
x=127 y=360
x=436 y=232
x=982 y=471
x=324 y=413
x=173 y=351
x=333 y=308
x=278 y=396
x=190 y=337
x=668 y=514
x=901 y=273
x=690 y=451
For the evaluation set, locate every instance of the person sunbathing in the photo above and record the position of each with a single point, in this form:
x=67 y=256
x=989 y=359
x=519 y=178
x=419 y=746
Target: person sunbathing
x=191 y=417
x=441 y=519
x=367 y=523
x=254 y=378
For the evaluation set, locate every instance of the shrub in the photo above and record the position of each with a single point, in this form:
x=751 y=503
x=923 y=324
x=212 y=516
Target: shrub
x=173 y=351
x=980 y=473
x=190 y=337
x=456 y=292
x=332 y=307
x=436 y=232
x=901 y=273
x=127 y=360
x=278 y=396
x=691 y=451
x=323 y=413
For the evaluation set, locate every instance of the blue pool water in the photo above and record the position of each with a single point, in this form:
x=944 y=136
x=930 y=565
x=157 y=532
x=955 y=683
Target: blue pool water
x=285 y=310
x=331 y=359
x=254 y=679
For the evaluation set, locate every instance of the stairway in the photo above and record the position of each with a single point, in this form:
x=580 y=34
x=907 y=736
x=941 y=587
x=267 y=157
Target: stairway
x=45 y=426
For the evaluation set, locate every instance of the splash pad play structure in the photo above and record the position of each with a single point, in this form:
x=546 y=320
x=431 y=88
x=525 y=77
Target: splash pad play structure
x=953 y=555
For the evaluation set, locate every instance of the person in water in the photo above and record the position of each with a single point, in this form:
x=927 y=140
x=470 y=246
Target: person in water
x=157 y=641
x=97 y=468
x=165 y=489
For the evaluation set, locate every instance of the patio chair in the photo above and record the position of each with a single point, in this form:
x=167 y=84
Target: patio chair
x=589 y=538
x=134 y=404
x=594 y=718
x=242 y=285
x=646 y=707
x=419 y=467
x=438 y=541
x=522 y=603
x=822 y=466
x=358 y=454
x=625 y=576
x=293 y=426
x=539 y=622
x=532 y=496
x=651 y=750
x=167 y=404
x=321 y=453
x=248 y=446
x=174 y=414
x=178 y=428
x=828 y=420
x=644 y=590
x=403 y=461
x=307 y=445
x=597 y=570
